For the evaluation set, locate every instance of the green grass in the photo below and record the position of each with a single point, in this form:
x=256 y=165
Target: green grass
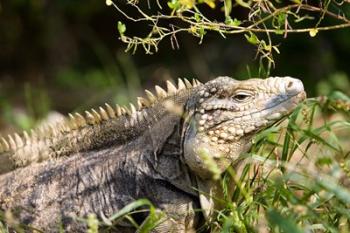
x=296 y=177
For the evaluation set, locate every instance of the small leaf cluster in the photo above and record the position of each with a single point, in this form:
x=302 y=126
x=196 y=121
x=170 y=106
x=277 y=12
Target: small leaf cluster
x=262 y=22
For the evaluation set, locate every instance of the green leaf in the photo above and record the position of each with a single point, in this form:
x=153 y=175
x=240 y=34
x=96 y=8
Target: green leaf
x=174 y=4
x=324 y=161
x=279 y=31
x=232 y=22
x=276 y=49
x=236 y=22
x=197 y=17
x=252 y=38
x=339 y=191
x=228 y=7
x=285 y=224
x=210 y=163
x=265 y=133
x=92 y=223
x=121 y=28
x=130 y=207
x=243 y=4
x=338 y=95
x=314 y=135
x=285 y=149
x=202 y=31
x=281 y=18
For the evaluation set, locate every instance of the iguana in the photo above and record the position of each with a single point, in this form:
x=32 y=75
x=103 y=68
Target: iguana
x=100 y=162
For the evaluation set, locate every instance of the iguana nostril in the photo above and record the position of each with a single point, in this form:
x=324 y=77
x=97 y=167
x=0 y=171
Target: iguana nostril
x=294 y=86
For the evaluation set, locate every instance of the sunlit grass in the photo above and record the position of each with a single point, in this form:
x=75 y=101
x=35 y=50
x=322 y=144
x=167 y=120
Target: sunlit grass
x=296 y=177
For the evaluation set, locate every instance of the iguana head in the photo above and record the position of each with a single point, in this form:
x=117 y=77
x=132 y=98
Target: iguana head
x=226 y=113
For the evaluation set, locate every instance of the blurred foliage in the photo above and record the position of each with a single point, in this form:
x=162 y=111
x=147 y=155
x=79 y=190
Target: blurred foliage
x=66 y=56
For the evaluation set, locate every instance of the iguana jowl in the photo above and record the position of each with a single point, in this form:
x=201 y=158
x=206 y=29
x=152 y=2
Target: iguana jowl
x=103 y=161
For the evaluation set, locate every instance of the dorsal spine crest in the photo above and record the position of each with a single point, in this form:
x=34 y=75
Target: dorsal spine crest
x=76 y=121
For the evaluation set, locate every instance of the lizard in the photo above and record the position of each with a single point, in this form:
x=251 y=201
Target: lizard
x=100 y=162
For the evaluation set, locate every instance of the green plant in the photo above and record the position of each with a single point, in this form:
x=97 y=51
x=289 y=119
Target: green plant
x=263 y=21
x=295 y=179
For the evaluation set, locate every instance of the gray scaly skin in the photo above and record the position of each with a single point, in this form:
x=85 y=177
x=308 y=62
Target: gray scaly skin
x=101 y=162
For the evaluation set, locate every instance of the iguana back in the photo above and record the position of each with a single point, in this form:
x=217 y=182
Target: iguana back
x=94 y=129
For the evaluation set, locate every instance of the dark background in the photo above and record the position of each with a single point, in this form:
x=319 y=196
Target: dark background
x=66 y=56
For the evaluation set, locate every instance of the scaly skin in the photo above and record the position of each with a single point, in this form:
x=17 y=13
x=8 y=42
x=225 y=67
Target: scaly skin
x=160 y=152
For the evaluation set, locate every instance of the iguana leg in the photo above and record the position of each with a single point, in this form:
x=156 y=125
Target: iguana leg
x=170 y=225
x=177 y=219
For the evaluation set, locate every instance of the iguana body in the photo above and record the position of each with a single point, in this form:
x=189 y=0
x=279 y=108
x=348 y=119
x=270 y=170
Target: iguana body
x=106 y=160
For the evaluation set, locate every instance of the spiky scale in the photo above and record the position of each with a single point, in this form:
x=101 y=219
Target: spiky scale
x=26 y=137
x=124 y=110
x=63 y=128
x=139 y=103
x=54 y=131
x=81 y=120
x=142 y=102
x=171 y=88
x=34 y=136
x=180 y=84
x=1 y=148
x=132 y=108
x=19 y=141
x=4 y=144
x=161 y=93
x=150 y=96
x=198 y=82
x=90 y=119
x=12 y=143
x=96 y=115
x=72 y=122
x=71 y=116
x=118 y=110
x=110 y=111
x=103 y=114
x=187 y=83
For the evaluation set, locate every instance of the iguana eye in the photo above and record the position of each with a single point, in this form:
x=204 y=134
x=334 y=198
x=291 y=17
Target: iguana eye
x=241 y=97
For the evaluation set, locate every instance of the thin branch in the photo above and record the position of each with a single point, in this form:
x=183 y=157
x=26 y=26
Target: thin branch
x=192 y=20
